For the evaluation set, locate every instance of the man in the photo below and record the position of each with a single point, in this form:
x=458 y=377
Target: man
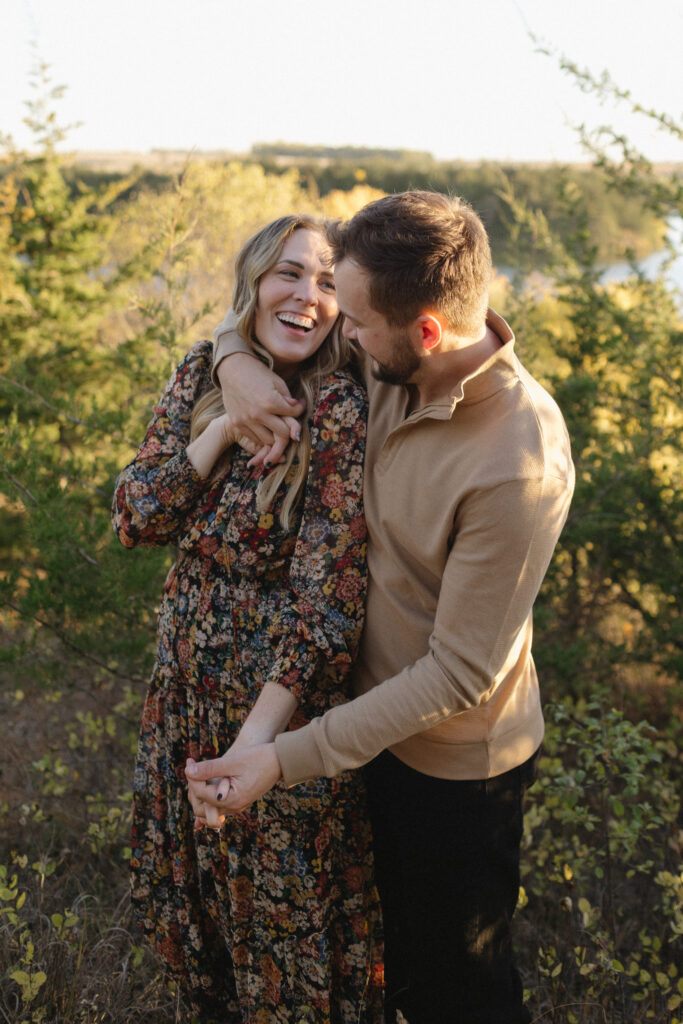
x=468 y=480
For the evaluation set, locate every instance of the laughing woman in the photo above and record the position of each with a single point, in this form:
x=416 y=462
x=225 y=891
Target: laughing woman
x=273 y=917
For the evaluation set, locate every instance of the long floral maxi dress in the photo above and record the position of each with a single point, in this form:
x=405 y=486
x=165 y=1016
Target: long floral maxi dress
x=274 y=918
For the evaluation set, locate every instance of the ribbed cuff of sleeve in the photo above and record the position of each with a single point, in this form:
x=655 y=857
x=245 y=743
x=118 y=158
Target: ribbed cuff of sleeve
x=299 y=756
x=228 y=344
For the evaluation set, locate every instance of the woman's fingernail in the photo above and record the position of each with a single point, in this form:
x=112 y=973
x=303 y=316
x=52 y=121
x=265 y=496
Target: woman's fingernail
x=219 y=796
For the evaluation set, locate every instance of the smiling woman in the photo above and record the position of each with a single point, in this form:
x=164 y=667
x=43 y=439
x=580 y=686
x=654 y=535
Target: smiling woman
x=297 y=306
x=283 y=274
x=271 y=914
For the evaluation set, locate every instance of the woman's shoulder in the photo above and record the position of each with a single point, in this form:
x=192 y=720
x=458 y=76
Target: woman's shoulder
x=342 y=386
x=193 y=373
x=200 y=356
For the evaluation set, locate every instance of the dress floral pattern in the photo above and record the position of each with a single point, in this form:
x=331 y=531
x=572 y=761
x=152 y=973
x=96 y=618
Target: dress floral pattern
x=275 y=918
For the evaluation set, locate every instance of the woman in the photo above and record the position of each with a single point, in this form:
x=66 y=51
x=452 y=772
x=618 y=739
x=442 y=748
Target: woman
x=273 y=917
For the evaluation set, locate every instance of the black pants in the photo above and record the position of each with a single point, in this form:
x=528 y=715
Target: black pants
x=447 y=860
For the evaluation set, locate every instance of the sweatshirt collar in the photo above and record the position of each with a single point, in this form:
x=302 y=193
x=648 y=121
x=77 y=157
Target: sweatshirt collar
x=498 y=370
x=493 y=375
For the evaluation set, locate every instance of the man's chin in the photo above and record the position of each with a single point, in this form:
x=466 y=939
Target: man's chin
x=387 y=376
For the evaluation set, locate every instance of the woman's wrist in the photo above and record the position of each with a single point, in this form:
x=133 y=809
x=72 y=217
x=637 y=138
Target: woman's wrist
x=206 y=449
x=252 y=737
x=269 y=716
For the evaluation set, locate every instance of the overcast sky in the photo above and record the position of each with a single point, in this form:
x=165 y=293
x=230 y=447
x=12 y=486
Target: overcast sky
x=461 y=80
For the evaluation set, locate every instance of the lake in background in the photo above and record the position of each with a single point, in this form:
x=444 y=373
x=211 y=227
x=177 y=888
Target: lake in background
x=652 y=265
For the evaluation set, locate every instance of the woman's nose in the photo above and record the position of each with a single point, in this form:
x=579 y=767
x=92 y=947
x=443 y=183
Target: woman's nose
x=306 y=290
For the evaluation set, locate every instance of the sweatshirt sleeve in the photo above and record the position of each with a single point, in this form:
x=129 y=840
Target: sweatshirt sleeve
x=226 y=342
x=504 y=539
x=155 y=492
x=321 y=616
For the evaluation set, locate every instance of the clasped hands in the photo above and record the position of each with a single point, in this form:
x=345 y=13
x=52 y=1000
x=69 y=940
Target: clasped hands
x=229 y=784
x=262 y=411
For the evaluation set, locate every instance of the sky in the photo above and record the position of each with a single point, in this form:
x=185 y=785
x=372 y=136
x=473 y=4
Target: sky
x=460 y=80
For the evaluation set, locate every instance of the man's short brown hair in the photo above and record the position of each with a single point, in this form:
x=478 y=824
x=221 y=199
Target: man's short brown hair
x=423 y=251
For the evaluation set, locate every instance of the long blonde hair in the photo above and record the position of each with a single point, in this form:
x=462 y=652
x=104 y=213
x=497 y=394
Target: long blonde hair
x=259 y=254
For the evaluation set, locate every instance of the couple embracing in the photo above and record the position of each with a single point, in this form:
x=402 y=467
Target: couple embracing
x=365 y=488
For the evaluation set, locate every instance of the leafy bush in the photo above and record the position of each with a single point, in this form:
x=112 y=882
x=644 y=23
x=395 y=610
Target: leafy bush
x=602 y=878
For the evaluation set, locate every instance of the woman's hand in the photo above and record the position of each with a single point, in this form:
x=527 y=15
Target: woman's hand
x=205 y=814
x=229 y=784
x=220 y=435
x=260 y=406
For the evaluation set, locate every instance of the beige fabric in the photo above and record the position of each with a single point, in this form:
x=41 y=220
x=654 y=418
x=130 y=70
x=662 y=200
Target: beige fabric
x=464 y=501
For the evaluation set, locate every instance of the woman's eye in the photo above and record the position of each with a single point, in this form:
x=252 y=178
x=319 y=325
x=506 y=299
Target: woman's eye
x=328 y=286
x=288 y=273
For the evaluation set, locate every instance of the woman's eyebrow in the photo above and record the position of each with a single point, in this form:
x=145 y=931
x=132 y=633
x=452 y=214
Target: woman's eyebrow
x=295 y=263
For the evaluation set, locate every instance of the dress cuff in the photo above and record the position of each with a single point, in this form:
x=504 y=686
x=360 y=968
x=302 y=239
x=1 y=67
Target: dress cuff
x=177 y=483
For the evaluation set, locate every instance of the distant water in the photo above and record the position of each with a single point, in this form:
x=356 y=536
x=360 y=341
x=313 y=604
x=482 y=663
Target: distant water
x=651 y=266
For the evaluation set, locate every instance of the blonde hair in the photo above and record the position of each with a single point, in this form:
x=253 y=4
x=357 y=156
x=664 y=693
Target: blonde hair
x=259 y=254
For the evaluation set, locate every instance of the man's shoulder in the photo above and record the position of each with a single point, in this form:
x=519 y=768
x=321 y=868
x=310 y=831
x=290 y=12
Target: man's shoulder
x=510 y=451
x=515 y=432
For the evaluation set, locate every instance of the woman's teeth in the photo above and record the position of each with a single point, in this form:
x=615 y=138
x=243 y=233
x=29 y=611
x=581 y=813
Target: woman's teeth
x=306 y=323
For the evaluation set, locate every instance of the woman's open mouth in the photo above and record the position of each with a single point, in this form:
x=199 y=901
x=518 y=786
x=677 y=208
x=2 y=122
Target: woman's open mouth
x=297 y=320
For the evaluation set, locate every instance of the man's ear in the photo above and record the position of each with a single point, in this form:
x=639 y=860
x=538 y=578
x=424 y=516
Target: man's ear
x=430 y=331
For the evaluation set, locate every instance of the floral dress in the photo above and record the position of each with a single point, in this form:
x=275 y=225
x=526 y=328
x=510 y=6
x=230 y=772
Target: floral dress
x=275 y=917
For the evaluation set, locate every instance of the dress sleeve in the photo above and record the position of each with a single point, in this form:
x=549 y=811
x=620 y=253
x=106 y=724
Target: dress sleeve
x=322 y=616
x=227 y=341
x=156 y=490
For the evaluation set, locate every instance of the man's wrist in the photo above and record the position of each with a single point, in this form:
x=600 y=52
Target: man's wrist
x=228 y=343
x=221 y=366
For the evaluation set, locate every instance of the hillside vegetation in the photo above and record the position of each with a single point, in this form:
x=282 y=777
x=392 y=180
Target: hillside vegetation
x=103 y=287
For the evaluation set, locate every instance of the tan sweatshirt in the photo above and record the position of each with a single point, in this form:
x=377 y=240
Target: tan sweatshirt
x=465 y=501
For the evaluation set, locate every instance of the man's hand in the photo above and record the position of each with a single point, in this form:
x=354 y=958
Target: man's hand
x=232 y=782
x=260 y=406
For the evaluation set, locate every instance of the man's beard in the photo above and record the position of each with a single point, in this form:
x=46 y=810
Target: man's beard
x=404 y=363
